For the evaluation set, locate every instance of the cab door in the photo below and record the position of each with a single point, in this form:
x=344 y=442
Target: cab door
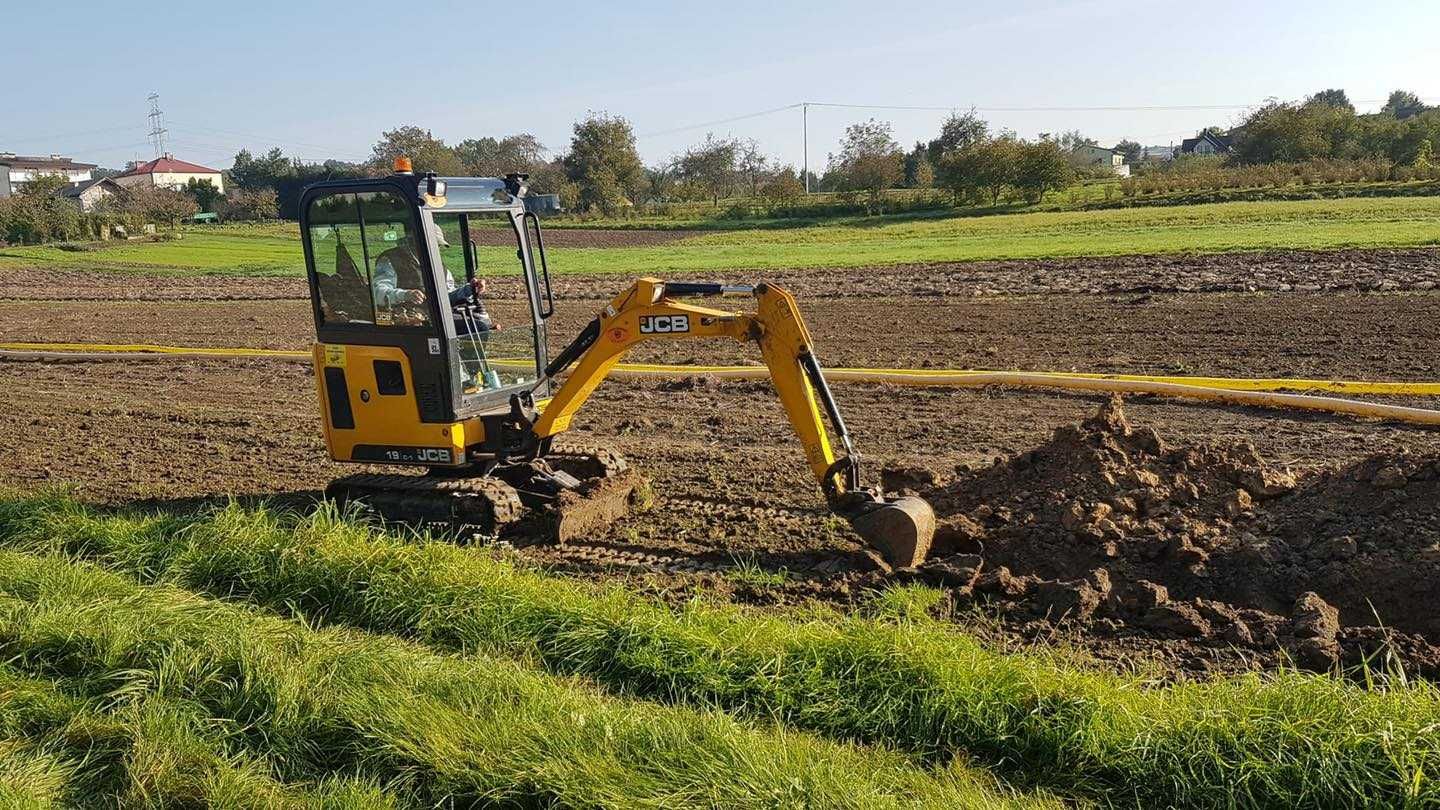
x=497 y=345
x=372 y=285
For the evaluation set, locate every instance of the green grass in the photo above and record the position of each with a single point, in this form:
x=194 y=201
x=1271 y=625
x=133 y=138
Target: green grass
x=858 y=242
x=898 y=679
x=433 y=729
x=141 y=750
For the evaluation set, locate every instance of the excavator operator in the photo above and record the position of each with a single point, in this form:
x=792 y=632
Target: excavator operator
x=397 y=284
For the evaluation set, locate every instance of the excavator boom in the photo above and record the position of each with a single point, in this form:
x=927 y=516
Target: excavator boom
x=649 y=310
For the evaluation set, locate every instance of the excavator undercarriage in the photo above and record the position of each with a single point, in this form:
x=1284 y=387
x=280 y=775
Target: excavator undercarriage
x=574 y=491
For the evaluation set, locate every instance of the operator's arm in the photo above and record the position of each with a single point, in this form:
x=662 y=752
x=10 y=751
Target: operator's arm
x=386 y=285
x=461 y=294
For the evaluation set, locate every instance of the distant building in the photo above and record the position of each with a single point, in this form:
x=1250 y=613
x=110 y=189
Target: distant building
x=1100 y=156
x=1207 y=143
x=18 y=170
x=89 y=193
x=168 y=172
x=1158 y=152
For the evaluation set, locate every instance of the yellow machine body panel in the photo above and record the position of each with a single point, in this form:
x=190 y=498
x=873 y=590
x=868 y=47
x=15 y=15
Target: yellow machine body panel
x=367 y=421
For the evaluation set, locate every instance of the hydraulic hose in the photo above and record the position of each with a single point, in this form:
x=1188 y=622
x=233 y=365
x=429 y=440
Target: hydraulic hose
x=1264 y=393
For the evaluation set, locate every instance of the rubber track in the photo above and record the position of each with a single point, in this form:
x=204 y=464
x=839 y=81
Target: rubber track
x=444 y=496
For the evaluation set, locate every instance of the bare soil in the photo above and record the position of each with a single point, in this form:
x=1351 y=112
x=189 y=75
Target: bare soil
x=1416 y=269
x=1183 y=535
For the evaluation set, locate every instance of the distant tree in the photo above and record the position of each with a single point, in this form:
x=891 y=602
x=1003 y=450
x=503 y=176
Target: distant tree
x=102 y=173
x=783 y=188
x=603 y=163
x=710 y=165
x=266 y=171
x=203 y=192
x=159 y=205
x=1403 y=104
x=924 y=175
x=250 y=205
x=44 y=186
x=982 y=169
x=751 y=163
x=956 y=133
x=919 y=172
x=488 y=157
x=659 y=182
x=1286 y=132
x=36 y=214
x=957 y=174
x=1424 y=157
x=1132 y=150
x=1040 y=167
x=1070 y=141
x=869 y=159
x=1334 y=97
x=426 y=152
x=550 y=178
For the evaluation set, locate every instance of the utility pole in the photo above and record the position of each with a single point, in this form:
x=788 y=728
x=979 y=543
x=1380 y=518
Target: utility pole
x=157 y=126
x=805 y=141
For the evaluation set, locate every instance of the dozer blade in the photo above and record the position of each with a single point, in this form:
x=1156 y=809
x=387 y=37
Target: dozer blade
x=574 y=514
x=575 y=492
x=901 y=530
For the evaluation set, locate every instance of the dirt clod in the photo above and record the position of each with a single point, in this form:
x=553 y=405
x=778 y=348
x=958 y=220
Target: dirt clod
x=1313 y=617
x=956 y=571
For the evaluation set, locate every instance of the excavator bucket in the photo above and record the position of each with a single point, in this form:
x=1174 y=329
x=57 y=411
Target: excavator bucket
x=901 y=530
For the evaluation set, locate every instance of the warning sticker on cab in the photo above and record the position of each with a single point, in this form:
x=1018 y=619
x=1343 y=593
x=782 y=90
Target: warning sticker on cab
x=335 y=356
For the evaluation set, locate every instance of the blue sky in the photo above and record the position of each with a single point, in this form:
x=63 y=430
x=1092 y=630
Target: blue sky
x=323 y=79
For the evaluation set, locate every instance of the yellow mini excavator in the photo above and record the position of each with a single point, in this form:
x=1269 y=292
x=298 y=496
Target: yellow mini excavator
x=418 y=362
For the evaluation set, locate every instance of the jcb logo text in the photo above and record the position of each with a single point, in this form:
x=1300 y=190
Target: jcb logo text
x=663 y=324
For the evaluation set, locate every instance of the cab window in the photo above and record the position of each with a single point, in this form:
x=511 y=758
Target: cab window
x=367 y=265
x=495 y=335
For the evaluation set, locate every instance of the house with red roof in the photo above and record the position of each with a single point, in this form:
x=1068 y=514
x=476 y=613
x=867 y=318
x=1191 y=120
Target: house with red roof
x=168 y=172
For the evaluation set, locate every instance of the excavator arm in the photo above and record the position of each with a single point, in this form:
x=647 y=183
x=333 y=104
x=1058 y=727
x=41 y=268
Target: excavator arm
x=901 y=530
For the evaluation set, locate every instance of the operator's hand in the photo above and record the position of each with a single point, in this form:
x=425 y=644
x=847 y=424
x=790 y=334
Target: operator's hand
x=479 y=285
x=414 y=296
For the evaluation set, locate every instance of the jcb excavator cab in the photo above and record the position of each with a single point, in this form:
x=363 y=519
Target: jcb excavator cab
x=413 y=365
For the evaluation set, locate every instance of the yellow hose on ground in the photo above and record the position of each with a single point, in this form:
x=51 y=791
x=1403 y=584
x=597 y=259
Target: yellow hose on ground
x=1254 y=392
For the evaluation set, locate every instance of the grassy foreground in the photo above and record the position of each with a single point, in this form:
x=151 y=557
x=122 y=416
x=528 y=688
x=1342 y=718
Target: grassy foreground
x=1305 y=224
x=915 y=684
x=58 y=750
x=434 y=730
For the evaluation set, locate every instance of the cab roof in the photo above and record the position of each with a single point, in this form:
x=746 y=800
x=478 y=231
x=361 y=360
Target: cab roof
x=472 y=194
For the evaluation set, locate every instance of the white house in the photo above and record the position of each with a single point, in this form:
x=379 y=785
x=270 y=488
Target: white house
x=1100 y=156
x=168 y=172
x=90 y=193
x=17 y=170
x=1207 y=143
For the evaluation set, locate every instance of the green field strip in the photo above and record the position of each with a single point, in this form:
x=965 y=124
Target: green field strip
x=439 y=728
x=916 y=684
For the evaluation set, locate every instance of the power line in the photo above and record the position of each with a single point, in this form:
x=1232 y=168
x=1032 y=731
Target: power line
x=720 y=121
x=265 y=138
x=62 y=135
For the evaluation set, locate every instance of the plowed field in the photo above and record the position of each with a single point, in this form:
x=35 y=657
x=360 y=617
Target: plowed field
x=1188 y=535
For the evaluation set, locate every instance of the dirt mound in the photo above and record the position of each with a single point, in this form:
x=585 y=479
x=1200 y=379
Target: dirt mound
x=1109 y=525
